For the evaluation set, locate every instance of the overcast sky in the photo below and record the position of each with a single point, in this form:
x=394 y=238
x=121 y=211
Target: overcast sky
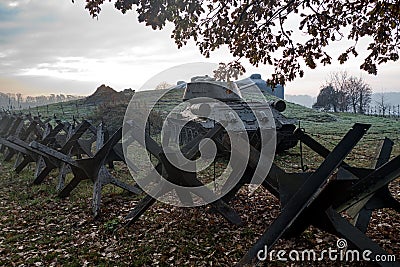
x=49 y=46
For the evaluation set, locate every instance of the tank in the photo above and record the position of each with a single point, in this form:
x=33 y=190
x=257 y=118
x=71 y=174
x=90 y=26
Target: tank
x=207 y=98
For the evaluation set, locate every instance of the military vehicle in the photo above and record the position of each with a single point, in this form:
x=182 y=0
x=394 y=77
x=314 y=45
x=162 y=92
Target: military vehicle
x=208 y=100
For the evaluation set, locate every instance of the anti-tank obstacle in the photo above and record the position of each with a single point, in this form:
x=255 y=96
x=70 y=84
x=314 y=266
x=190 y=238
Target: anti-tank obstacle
x=315 y=198
x=69 y=151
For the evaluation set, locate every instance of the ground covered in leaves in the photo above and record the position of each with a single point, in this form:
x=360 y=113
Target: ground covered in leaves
x=39 y=229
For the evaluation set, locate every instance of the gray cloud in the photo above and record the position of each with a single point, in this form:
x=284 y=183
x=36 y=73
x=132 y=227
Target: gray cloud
x=55 y=46
x=59 y=39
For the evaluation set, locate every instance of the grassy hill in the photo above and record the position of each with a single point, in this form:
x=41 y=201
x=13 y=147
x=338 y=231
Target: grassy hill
x=328 y=127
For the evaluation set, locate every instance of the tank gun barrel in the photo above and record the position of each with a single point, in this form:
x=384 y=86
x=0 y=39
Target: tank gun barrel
x=279 y=105
x=201 y=109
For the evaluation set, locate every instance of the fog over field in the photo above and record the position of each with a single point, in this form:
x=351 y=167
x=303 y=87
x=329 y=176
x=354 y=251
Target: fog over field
x=391 y=98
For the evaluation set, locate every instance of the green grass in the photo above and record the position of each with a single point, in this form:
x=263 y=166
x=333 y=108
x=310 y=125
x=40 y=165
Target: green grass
x=64 y=110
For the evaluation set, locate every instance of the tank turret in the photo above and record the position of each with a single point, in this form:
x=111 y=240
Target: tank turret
x=207 y=98
x=205 y=86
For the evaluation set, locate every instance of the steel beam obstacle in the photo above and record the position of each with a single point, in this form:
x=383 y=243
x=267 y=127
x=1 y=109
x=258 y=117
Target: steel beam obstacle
x=91 y=168
x=175 y=175
x=26 y=155
x=63 y=147
x=318 y=197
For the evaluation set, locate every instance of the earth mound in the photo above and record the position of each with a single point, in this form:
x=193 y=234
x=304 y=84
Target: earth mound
x=105 y=94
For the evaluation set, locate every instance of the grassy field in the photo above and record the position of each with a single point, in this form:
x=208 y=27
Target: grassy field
x=40 y=229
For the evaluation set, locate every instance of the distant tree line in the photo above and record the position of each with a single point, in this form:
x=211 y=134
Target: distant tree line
x=383 y=108
x=344 y=93
x=16 y=101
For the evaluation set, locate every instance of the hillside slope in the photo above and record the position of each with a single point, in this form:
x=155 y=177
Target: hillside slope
x=326 y=125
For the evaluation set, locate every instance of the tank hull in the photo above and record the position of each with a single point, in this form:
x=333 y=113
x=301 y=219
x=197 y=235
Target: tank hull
x=209 y=101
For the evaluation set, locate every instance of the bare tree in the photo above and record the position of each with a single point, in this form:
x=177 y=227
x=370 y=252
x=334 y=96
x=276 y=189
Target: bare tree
x=163 y=85
x=52 y=98
x=19 y=100
x=339 y=81
x=344 y=91
x=364 y=99
x=359 y=94
x=382 y=104
x=352 y=91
